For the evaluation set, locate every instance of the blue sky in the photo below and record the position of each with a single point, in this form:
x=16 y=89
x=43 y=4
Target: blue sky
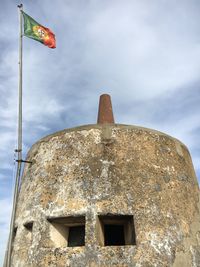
x=145 y=54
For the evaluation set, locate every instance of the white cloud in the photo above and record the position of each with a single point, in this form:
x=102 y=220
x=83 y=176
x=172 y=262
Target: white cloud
x=133 y=50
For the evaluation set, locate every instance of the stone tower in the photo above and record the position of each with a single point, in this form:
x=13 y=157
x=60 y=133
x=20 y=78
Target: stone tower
x=108 y=195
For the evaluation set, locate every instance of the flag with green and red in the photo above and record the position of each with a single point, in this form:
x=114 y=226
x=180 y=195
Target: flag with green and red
x=36 y=31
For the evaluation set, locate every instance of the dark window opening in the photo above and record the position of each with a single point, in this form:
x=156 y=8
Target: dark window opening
x=114 y=235
x=68 y=231
x=76 y=236
x=14 y=233
x=116 y=230
x=29 y=226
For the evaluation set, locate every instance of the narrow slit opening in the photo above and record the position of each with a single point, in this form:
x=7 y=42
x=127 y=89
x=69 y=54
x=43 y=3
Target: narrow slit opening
x=29 y=226
x=14 y=233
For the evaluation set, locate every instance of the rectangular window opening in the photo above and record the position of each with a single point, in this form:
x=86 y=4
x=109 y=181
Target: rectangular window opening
x=116 y=230
x=68 y=231
x=76 y=236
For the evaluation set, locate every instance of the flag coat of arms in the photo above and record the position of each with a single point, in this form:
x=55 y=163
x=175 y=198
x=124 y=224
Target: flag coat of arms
x=36 y=31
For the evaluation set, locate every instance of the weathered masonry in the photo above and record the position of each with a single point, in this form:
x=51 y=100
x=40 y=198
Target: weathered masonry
x=108 y=195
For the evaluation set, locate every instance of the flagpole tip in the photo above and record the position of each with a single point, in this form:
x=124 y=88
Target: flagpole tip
x=105 y=113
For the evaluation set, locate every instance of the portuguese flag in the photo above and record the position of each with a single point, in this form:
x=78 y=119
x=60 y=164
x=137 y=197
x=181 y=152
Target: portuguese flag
x=36 y=31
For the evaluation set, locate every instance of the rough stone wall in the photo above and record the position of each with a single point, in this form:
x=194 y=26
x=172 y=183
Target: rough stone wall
x=111 y=169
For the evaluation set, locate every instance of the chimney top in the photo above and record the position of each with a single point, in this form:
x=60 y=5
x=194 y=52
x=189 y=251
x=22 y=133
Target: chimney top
x=105 y=113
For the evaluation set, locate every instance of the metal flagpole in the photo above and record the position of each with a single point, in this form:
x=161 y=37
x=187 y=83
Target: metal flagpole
x=19 y=148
